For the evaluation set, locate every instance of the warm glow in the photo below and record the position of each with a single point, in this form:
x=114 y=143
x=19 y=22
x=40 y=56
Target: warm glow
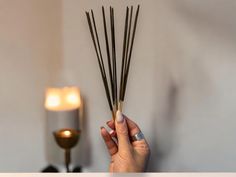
x=53 y=100
x=61 y=99
x=72 y=98
x=66 y=133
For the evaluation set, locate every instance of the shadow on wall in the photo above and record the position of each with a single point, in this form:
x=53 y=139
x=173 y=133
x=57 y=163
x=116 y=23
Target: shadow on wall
x=162 y=139
x=84 y=144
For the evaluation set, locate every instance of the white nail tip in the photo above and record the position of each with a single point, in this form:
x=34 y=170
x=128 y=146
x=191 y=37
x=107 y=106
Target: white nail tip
x=111 y=132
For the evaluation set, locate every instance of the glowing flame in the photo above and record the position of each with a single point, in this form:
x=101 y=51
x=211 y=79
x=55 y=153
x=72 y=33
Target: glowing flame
x=67 y=133
x=61 y=99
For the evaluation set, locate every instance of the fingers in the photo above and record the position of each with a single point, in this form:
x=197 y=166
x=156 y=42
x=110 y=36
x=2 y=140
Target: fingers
x=133 y=128
x=111 y=124
x=122 y=132
x=112 y=133
x=111 y=145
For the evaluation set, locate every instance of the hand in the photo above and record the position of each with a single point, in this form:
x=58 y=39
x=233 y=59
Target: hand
x=126 y=156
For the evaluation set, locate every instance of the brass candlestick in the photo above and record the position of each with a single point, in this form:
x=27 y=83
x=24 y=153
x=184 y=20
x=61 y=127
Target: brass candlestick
x=67 y=139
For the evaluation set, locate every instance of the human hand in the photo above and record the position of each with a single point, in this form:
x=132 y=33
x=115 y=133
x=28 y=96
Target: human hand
x=126 y=155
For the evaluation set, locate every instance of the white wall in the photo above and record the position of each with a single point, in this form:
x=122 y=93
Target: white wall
x=29 y=62
x=180 y=89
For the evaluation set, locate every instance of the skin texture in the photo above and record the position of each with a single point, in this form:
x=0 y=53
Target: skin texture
x=126 y=156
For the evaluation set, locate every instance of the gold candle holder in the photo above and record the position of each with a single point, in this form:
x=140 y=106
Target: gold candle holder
x=67 y=139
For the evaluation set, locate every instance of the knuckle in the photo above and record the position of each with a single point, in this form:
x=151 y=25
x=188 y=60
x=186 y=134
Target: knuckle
x=147 y=150
x=143 y=147
x=122 y=131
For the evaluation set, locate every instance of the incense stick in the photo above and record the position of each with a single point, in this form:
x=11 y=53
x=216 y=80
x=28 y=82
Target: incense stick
x=128 y=39
x=130 y=52
x=123 y=56
x=128 y=42
x=127 y=53
x=108 y=52
x=115 y=104
x=99 y=62
x=98 y=43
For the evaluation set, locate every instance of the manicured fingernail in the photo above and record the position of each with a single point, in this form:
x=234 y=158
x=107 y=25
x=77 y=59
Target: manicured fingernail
x=119 y=117
x=111 y=132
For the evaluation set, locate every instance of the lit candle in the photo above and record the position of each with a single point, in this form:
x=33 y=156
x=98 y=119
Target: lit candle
x=62 y=99
x=66 y=134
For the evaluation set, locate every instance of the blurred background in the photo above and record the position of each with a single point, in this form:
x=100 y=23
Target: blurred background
x=181 y=88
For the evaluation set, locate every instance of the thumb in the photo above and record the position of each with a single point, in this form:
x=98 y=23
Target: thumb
x=122 y=131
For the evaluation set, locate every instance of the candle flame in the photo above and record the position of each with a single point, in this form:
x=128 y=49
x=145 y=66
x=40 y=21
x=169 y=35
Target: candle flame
x=61 y=99
x=67 y=133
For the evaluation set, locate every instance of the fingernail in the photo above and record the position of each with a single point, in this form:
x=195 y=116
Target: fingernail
x=101 y=128
x=108 y=122
x=119 y=117
x=111 y=132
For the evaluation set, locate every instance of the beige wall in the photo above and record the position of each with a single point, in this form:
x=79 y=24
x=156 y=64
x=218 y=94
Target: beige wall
x=30 y=57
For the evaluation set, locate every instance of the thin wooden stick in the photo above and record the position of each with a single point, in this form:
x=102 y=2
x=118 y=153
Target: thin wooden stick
x=99 y=62
x=123 y=55
x=131 y=48
x=127 y=52
x=108 y=52
x=114 y=56
x=98 y=43
x=128 y=42
x=94 y=43
x=101 y=58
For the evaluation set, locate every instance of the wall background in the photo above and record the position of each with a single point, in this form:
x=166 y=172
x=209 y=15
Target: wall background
x=30 y=58
x=180 y=89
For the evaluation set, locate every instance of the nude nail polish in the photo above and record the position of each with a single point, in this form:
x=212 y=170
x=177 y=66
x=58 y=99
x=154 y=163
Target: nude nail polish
x=119 y=117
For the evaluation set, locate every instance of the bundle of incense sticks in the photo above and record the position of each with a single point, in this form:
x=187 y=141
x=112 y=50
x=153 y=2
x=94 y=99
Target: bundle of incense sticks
x=110 y=86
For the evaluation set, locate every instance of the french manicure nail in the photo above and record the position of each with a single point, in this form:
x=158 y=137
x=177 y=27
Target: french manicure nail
x=111 y=132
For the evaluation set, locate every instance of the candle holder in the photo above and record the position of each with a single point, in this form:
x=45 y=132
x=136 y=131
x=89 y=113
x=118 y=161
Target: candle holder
x=67 y=139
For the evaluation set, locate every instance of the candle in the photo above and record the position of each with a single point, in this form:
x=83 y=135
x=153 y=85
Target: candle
x=62 y=99
x=66 y=134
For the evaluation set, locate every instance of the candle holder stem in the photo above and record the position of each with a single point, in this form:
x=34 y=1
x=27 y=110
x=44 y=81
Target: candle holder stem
x=67 y=160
